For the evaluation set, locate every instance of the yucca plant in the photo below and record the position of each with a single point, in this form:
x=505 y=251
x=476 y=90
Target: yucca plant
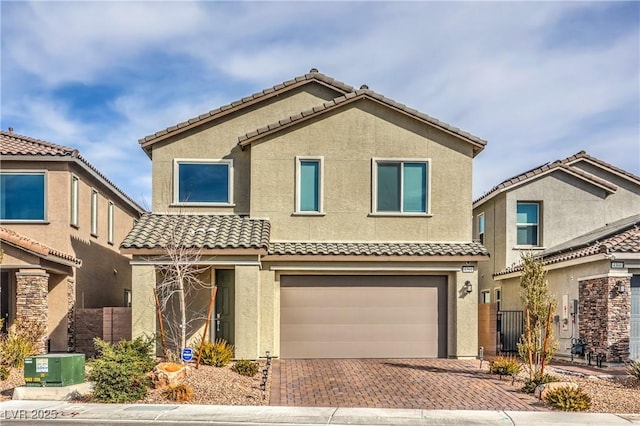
x=244 y=367
x=218 y=353
x=569 y=399
x=505 y=366
x=634 y=369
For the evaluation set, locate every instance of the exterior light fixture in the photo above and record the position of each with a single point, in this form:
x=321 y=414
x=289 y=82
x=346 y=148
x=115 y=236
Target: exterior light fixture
x=621 y=287
x=468 y=286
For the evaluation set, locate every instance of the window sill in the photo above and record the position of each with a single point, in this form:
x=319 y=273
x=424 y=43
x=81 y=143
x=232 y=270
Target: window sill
x=94 y=235
x=398 y=214
x=201 y=205
x=74 y=226
x=535 y=248
x=30 y=222
x=308 y=214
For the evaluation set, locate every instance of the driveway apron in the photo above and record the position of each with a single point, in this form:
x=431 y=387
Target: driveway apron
x=431 y=384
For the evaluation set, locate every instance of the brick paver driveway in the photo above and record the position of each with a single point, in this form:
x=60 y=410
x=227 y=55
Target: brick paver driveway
x=394 y=383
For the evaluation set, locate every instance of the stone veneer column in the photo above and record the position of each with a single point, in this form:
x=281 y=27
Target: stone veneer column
x=71 y=314
x=32 y=289
x=605 y=317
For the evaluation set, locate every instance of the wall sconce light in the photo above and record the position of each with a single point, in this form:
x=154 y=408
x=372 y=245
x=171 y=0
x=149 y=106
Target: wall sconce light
x=468 y=286
x=622 y=288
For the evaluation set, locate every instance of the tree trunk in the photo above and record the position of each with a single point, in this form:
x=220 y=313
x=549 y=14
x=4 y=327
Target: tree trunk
x=528 y=332
x=545 y=346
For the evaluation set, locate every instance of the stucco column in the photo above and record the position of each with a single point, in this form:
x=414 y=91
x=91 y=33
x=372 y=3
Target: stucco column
x=466 y=315
x=32 y=289
x=247 y=312
x=143 y=305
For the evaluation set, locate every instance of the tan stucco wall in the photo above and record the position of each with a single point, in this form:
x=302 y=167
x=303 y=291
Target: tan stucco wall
x=348 y=141
x=143 y=312
x=463 y=316
x=220 y=140
x=57 y=312
x=247 y=312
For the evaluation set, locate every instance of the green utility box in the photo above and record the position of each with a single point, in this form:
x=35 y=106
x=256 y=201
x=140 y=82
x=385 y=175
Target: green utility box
x=54 y=370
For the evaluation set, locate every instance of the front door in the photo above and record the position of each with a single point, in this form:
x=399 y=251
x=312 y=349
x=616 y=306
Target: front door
x=634 y=337
x=4 y=300
x=223 y=318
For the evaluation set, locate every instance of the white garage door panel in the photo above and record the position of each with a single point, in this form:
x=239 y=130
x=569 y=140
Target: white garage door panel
x=363 y=317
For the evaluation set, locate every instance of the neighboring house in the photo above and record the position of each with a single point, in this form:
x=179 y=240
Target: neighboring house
x=579 y=215
x=335 y=223
x=61 y=224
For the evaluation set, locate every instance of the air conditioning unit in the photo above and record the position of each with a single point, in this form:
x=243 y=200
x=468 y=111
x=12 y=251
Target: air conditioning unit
x=54 y=370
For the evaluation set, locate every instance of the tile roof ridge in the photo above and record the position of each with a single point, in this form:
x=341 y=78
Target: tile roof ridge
x=583 y=155
x=313 y=74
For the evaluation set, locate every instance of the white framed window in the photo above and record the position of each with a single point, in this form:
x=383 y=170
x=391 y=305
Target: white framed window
x=401 y=186
x=203 y=182
x=110 y=220
x=528 y=223
x=23 y=196
x=309 y=184
x=75 y=188
x=127 y=298
x=481 y=228
x=94 y=212
x=485 y=296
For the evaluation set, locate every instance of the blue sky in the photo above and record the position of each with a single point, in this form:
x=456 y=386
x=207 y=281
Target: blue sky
x=539 y=81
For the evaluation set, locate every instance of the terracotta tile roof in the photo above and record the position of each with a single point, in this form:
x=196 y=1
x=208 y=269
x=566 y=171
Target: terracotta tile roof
x=250 y=137
x=313 y=75
x=156 y=231
x=622 y=236
x=19 y=145
x=377 y=249
x=11 y=237
x=564 y=165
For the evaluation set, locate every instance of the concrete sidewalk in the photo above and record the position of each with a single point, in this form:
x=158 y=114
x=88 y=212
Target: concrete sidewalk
x=164 y=413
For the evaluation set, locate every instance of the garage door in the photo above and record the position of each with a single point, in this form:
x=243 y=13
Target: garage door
x=363 y=317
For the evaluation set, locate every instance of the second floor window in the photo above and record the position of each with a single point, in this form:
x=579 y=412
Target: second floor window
x=22 y=196
x=527 y=219
x=481 y=228
x=74 y=200
x=203 y=182
x=94 y=212
x=110 y=219
x=308 y=185
x=401 y=186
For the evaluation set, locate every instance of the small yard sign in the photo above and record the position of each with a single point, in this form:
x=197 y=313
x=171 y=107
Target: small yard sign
x=187 y=354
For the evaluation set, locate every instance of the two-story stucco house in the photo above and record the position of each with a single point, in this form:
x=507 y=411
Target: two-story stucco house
x=580 y=216
x=61 y=224
x=335 y=222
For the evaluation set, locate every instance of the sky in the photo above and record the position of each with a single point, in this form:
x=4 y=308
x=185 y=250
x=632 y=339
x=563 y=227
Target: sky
x=539 y=81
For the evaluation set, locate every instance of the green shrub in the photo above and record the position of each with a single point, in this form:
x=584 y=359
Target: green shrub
x=531 y=385
x=218 y=353
x=569 y=399
x=4 y=373
x=244 y=367
x=20 y=342
x=505 y=366
x=634 y=369
x=179 y=393
x=119 y=370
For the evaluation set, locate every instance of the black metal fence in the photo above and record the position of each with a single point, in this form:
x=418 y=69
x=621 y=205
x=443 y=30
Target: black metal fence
x=510 y=326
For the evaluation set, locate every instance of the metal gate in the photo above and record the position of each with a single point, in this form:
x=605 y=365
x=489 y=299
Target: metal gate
x=510 y=326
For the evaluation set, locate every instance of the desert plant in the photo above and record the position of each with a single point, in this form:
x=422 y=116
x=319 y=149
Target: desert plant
x=244 y=367
x=119 y=370
x=20 y=342
x=218 y=353
x=634 y=369
x=568 y=399
x=531 y=384
x=505 y=366
x=4 y=373
x=179 y=393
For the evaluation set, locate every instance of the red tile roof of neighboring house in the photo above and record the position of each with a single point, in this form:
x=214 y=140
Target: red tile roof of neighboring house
x=250 y=137
x=377 y=249
x=565 y=166
x=348 y=93
x=9 y=236
x=622 y=236
x=12 y=144
x=312 y=76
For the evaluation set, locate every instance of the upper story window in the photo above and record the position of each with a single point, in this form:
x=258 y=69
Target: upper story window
x=94 y=212
x=75 y=184
x=481 y=228
x=401 y=186
x=309 y=185
x=203 y=182
x=485 y=296
x=110 y=220
x=22 y=196
x=527 y=221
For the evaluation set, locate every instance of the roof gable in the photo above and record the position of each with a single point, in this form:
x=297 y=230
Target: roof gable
x=313 y=76
x=566 y=165
x=249 y=138
x=14 y=145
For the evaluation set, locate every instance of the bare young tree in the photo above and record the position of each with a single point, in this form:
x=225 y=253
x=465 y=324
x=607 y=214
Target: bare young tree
x=537 y=345
x=180 y=278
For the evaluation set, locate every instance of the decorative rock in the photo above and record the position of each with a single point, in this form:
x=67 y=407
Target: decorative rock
x=542 y=390
x=168 y=374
